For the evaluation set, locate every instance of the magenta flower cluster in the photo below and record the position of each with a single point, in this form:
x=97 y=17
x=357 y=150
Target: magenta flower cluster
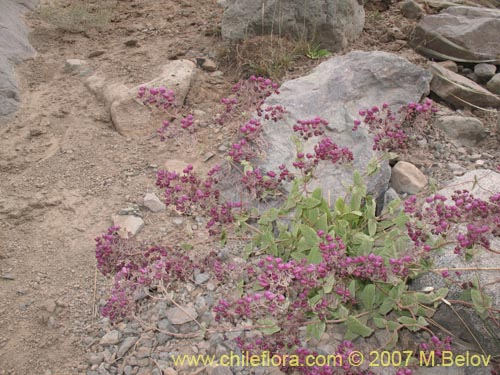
x=310 y=128
x=392 y=131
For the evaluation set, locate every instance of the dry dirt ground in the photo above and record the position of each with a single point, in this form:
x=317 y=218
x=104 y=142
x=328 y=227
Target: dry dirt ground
x=65 y=170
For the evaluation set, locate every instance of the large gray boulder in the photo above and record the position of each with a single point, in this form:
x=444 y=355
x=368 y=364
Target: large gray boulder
x=14 y=47
x=336 y=90
x=460 y=33
x=483 y=266
x=334 y=23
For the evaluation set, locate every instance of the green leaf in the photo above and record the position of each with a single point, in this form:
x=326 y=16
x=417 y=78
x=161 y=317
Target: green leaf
x=355 y=326
x=343 y=312
x=380 y=322
x=310 y=235
x=269 y=216
x=329 y=283
x=372 y=227
x=316 y=330
x=270 y=326
x=340 y=207
x=223 y=238
x=314 y=256
x=368 y=296
x=386 y=306
x=352 y=288
x=186 y=246
x=410 y=323
x=314 y=300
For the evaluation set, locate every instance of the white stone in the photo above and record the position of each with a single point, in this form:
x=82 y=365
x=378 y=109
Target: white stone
x=406 y=178
x=129 y=225
x=153 y=203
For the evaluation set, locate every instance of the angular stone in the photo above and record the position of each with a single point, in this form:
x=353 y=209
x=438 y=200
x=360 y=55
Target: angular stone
x=131 y=118
x=494 y=84
x=209 y=65
x=129 y=225
x=74 y=65
x=336 y=90
x=111 y=338
x=466 y=130
x=450 y=65
x=126 y=345
x=460 y=33
x=460 y=91
x=153 y=203
x=406 y=178
x=177 y=315
x=334 y=23
x=411 y=9
x=484 y=72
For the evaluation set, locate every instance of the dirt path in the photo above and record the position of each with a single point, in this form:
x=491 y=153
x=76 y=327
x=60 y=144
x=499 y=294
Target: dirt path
x=65 y=171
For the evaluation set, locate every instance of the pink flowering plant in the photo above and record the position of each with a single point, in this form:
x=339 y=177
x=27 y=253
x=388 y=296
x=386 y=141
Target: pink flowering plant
x=310 y=264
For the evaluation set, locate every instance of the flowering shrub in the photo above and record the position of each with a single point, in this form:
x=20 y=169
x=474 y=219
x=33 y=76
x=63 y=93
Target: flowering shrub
x=310 y=264
x=393 y=131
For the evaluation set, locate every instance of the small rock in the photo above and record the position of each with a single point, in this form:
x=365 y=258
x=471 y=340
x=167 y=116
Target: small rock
x=411 y=9
x=95 y=359
x=153 y=203
x=450 y=65
x=74 y=65
x=129 y=225
x=457 y=169
x=132 y=43
x=484 y=72
x=35 y=132
x=406 y=178
x=389 y=196
x=168 y=370
x=51 y=322
x=110 y=338
x=494 y=84
x=50 y=306
x=209 y=65
x=126 y=345
x=480 y=163
x=178 y=221
x=93 y=54
x=466 y=130
x=222 y=148
x=177 y=315
x=201 y=278
x=207 y=156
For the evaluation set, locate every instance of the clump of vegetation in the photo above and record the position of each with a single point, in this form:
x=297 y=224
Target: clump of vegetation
x=78 y=16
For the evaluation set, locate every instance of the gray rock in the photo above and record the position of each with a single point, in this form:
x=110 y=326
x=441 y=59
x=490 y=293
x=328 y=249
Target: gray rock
x=153 y=203
x=466 y=130
x=177 y=315
x=201 y=278
x=460 y=91
x=494 y=84
x=130 y=117
x=390 y=195
x=74 y=65
x=111 y=338
x=14 y=48
x=460 y=33
x=336 y=90
x=95 y=359
x=209 y=65
x=484 y=72
x=450 y=65
x=481 y=183
x=334 y=23
x=126 y=345
x=129 y=225
x=406 y=178
x=411 y=9
x=222 y=370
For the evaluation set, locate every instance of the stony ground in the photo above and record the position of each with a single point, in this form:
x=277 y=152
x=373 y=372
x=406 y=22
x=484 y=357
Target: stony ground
x=65 y=171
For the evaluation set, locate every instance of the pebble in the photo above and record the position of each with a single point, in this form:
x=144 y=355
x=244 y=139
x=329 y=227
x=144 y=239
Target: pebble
x=207 y=156
x=95 y=359
x=126 y=345
x=153 y=203
x=178 y=221
x=209 y=65
x=74 y=65
x=484 y=72
x=406 y=178
x=222 y=148
x=177 y=315
x=110 y=338
x=129 y=225
x=480 y=163
x=201 y=278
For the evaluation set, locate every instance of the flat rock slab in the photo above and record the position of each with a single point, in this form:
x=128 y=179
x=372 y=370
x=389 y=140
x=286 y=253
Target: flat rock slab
x=460 y=33
x=14 y=47
x=336 y=90
x=459 y=91
x=177 y=315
